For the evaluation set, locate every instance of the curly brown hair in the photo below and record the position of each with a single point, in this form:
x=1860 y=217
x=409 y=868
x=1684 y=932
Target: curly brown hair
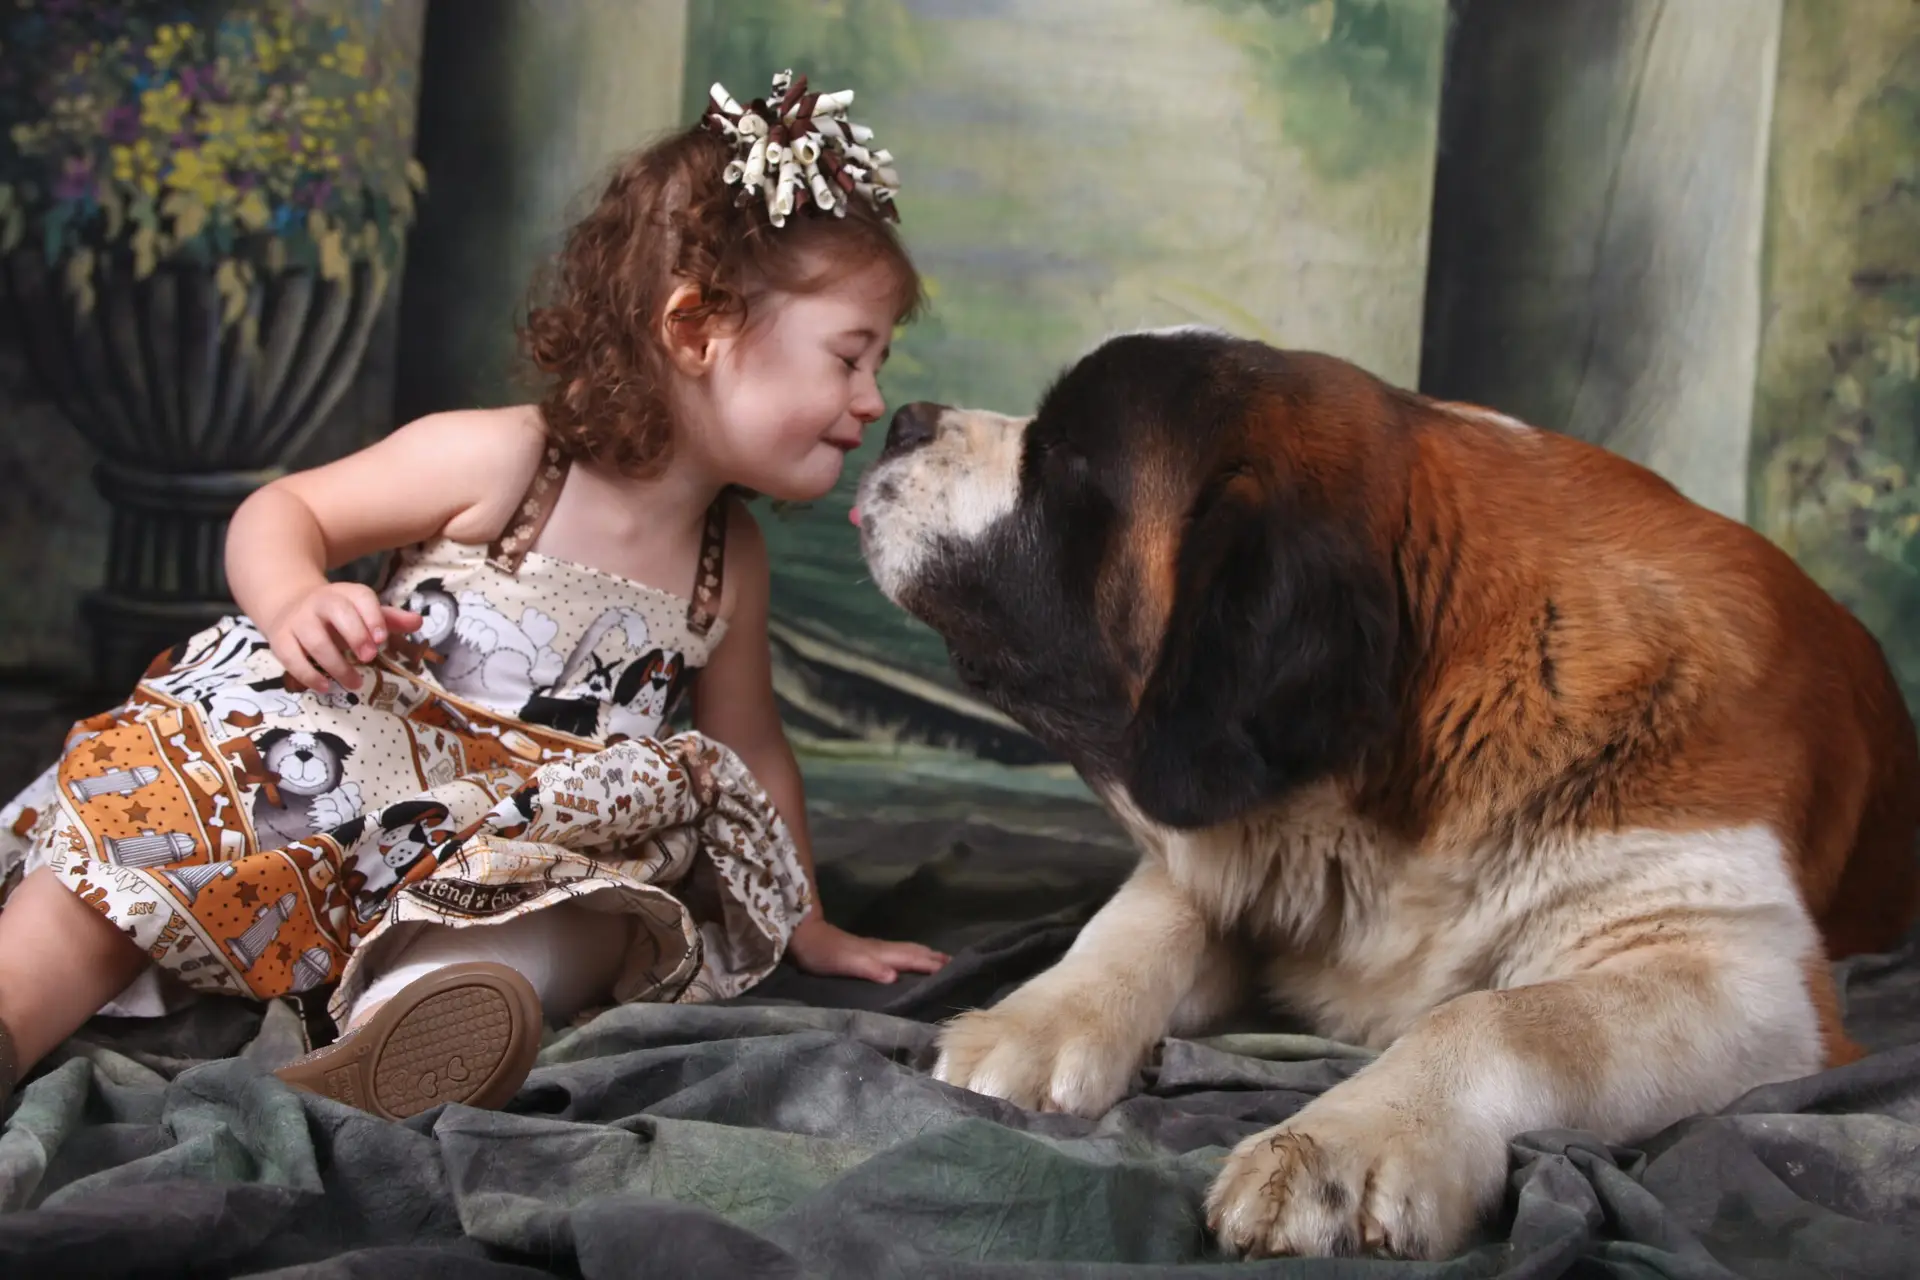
x=667 y=216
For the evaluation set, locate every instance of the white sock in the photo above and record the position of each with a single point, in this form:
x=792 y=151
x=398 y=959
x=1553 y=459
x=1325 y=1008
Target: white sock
x=571 y=954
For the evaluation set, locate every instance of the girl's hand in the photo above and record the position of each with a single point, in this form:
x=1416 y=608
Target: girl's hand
x=330 y=622
x=832 y=952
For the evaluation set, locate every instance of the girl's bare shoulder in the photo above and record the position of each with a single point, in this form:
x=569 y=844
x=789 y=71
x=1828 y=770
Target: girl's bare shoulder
x=488 y=455
x=744 y=588
x=460 y=473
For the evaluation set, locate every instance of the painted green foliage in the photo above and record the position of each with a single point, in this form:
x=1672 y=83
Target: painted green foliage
x=1358 y=78
x=1071 y=170
x=252 y=137
x=1837 y=452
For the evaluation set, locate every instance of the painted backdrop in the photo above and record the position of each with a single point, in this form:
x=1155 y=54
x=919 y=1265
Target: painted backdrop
x=1685 y=232
x=1836 y=452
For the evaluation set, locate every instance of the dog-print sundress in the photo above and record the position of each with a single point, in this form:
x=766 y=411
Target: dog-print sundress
x=257 y=837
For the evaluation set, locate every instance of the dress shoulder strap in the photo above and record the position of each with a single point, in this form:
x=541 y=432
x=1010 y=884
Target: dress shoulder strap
x=704 y=608
x=511 y=547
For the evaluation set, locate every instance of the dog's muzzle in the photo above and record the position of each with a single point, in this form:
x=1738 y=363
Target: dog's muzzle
x=913 y=426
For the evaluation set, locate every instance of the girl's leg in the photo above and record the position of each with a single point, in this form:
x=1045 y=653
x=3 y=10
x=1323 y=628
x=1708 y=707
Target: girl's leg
x=60 y=960
x=570 y=953
x=454 y=1015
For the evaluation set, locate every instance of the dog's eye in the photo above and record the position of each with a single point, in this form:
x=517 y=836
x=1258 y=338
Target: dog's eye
x=969 y=671
x=1059 y=462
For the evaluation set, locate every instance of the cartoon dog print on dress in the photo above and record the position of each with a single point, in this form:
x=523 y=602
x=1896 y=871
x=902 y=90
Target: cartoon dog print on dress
x=576 y=703
x=198 y=668
x=479 y=653
x=647 y=690
x=436 y=643
x=408 y=833
x=577 y=714
x=437 y=610
x=306 y=788
x=246 y=705
x=218 y=674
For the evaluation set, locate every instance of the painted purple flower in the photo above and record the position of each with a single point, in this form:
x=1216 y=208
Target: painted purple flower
x=199 y=82
x=75 y=181
x=123 y=123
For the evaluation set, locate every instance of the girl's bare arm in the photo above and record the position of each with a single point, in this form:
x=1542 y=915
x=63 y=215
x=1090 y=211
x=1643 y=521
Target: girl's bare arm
x=734 y=704
x=459 y=473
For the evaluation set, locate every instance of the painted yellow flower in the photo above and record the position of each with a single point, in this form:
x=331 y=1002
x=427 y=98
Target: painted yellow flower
x=192 y=175
x=253 y=211
x=164 y=109
x=169 y=42
x=279 y=130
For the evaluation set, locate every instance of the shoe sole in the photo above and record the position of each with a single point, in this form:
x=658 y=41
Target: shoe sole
x=467 y=1033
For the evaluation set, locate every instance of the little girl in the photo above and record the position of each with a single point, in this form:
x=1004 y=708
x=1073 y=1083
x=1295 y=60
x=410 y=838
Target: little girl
x=455 y=798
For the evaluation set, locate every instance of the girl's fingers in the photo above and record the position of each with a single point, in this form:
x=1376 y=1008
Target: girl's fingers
x=401 y=622
x=915 y=958
x=343 y=613
x=295 y=661
x=873 y=970
x=367 y=610
x=319 y=643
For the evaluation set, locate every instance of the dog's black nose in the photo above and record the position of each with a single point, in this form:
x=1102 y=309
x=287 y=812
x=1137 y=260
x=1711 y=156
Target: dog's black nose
x=913 y=426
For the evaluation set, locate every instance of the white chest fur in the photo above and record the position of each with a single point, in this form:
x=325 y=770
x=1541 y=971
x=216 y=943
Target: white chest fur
x=1361 y=934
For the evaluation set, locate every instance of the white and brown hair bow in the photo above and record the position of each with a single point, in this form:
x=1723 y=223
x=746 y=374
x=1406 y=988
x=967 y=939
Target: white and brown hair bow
x=796 y=149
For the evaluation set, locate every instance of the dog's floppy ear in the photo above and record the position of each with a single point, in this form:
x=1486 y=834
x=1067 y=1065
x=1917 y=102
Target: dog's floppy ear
x=1276 y=667
x=412 y=813
x=634 y=677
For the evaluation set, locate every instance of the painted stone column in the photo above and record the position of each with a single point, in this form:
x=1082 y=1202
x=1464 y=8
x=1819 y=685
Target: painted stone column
x=199 y=290
x=1597 y=222
x=524 y=104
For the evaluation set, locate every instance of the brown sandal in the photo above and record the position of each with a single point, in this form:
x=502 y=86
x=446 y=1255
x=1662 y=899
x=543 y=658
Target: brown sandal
x=465 y=1033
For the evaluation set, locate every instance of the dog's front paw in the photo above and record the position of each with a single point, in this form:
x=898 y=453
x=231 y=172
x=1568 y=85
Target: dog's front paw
x=1045 y=1051
x=1344 y=1178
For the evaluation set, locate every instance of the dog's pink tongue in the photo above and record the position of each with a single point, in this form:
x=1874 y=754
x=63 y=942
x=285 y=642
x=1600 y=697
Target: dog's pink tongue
x=853 y=515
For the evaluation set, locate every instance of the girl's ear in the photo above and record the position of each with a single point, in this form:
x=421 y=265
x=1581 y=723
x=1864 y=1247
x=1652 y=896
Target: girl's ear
x=690 y=340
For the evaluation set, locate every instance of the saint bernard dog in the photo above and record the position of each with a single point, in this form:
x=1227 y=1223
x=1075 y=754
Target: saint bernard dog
x=1465 y=741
